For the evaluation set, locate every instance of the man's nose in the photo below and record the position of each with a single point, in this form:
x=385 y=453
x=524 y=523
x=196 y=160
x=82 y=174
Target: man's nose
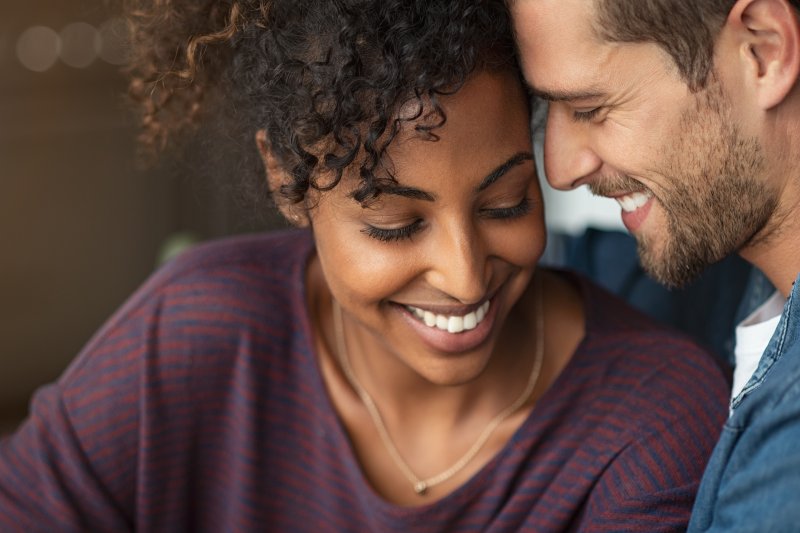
x=569 y=157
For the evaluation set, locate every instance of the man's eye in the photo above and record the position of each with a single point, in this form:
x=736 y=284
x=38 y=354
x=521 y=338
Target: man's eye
x=519 y=210
x=393 y=234
x=585 y=116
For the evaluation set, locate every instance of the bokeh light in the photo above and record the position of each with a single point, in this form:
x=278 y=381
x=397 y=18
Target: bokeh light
x=38 y=48
x=78 y=44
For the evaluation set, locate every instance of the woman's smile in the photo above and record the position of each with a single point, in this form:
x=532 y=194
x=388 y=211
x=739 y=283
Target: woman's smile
x=448 y=247
x=452 y=333
x=453 y=321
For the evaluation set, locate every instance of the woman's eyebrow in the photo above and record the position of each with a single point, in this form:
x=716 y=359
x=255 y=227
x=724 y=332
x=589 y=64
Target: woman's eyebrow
x=408 y=192
x=496 y=174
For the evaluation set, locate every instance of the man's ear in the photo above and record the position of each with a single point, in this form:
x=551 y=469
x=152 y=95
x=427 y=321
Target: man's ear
x=767 y=34
x=277 y=176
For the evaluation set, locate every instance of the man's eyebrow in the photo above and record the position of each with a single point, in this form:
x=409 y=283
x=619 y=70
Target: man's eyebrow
x=555 y=95
x=494 y=175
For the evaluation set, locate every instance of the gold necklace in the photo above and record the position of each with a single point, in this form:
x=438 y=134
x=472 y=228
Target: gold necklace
x=421 y=485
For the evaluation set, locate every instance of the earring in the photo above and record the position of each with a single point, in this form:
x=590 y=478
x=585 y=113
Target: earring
x=296 y=219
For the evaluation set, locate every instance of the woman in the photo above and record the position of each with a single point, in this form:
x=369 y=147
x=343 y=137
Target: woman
x=398 y=365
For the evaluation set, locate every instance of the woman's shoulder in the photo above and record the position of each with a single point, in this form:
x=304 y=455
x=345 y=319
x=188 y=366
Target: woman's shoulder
x=643 y=357
x=639 y=380
x=610 y=317
x=249 y=267
x=214 y=294
x=276 y=253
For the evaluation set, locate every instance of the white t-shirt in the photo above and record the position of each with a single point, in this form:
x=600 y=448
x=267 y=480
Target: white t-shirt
x=752 y=336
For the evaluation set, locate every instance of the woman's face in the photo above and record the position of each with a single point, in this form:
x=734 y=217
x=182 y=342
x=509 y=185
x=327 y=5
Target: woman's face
x=428 y=274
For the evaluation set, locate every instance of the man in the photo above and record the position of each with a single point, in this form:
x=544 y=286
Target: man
x=688 y=113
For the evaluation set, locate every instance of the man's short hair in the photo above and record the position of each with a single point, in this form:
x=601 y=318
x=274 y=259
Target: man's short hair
x=686 y=29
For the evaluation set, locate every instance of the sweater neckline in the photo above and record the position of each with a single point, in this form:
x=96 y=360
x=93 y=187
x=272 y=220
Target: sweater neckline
x=524 y=435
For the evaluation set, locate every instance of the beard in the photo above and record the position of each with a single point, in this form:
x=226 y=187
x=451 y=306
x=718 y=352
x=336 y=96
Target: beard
x=713 y=195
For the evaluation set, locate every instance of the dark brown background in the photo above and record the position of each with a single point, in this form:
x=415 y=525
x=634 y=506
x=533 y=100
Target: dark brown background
x=81 y=225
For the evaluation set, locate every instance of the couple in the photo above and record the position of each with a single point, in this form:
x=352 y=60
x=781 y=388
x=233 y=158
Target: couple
x=401 y=363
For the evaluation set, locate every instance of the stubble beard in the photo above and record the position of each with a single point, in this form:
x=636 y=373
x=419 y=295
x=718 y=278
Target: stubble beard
x=716 y=201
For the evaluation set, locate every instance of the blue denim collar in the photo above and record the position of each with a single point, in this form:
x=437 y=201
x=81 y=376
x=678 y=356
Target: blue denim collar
x=785 y=335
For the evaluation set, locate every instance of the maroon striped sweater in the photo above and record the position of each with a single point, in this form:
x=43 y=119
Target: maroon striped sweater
x=199 y=407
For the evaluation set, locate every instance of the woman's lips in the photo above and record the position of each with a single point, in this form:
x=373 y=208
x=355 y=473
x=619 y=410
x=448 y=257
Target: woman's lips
x=452 y=333
x=452 y=323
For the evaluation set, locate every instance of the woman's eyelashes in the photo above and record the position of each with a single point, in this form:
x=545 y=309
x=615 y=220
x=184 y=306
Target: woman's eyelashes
x=406 y=232
x=393 y=234
x=516 y=211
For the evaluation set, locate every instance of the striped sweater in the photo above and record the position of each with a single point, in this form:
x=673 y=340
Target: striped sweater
x=199 y=406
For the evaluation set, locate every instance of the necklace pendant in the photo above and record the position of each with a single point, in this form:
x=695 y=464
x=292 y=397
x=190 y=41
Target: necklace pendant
x=421 y=486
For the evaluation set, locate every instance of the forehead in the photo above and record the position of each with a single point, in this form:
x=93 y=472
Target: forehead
x=486 y=118
x=559 y=47
x=487 y=124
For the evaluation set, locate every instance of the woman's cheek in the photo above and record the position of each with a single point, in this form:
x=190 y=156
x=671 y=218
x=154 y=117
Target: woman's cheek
x=520 y=243
x=380 y=270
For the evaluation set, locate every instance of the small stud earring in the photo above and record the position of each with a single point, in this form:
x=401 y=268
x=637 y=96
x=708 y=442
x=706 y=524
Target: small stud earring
x=296 y=219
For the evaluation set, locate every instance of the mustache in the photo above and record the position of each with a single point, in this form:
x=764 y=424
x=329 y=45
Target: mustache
x=614 y=184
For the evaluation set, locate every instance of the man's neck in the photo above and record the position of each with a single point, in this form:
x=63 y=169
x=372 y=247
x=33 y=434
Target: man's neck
x=777 y=254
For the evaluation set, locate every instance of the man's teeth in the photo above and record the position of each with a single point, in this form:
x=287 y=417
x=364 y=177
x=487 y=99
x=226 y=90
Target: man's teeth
x=452 y=324
x=632 y=202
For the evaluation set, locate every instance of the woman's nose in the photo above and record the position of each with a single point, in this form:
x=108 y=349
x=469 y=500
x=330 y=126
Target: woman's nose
x=459 y=264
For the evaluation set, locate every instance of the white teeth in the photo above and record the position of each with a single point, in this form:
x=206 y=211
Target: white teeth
x=452 y=324
x=627 y=203
x=470 y=321
x=455 y=324
x=632 y=202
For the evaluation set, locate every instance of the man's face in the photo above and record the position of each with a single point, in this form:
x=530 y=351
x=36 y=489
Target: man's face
x=622 y=121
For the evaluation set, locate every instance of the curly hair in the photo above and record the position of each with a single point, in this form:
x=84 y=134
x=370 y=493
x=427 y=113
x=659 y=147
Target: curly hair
x=325 y=79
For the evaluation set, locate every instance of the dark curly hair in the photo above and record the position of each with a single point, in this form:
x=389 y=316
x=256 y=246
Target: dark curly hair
x=325 y=79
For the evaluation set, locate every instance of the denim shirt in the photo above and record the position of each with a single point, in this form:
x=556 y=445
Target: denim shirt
x=752 y=482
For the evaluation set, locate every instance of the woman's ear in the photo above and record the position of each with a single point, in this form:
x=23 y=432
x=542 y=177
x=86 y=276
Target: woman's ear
x=295 y=213
x=769 y=40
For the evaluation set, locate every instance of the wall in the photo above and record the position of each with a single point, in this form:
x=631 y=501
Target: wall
x=81 y=224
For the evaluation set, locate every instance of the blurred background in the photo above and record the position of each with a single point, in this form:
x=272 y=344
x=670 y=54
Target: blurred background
x=81 y=224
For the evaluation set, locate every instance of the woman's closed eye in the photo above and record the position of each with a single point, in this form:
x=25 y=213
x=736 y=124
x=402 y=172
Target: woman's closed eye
x=407 y=231
x=393 y=234
x=519 y=210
